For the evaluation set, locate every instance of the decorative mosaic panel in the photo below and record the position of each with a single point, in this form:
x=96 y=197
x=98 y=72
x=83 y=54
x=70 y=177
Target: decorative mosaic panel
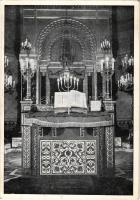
x=68 y=157
x=109 y=146
x=102 y=163
x=26 y=136
x=35 y=131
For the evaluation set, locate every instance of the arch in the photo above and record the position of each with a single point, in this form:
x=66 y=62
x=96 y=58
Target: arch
x=78 y=29
x=76 y=53
x=65 y=36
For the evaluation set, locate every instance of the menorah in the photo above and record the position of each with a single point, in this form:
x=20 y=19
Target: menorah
x=67 y=81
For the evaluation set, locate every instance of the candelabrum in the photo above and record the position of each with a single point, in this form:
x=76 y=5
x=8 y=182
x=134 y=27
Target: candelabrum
x=27 y=66
x=125 y=82
x=107 y=70
x=9 y=82
x=67 y=81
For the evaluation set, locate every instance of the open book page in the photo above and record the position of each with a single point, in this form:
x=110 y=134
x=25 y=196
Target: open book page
x=70 y=99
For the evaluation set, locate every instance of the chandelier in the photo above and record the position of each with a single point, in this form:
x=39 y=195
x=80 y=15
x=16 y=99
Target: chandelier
x=105 y=45
x=125 y=82
x=26 y=45
x=9 y=82
x=67 y=80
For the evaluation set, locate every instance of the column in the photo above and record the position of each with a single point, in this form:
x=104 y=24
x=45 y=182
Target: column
x=82 y=131
x=47 y=88
x=54 y=132
x=28 y=94
x=95 y=84
x=103 y=86
x=85 y=85
x=40 y=77
x=107 y=86
x=37 y=86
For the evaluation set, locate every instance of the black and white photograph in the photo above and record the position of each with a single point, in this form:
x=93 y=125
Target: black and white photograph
x=69 y=99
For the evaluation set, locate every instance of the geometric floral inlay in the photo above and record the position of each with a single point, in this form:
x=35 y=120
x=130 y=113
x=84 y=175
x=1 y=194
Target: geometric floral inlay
x=68 y=157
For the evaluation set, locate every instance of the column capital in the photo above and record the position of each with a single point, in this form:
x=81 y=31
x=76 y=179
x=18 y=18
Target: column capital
x=109 y=105
x=26 y=105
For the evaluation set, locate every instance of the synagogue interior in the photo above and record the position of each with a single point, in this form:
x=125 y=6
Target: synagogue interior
x=68 y=90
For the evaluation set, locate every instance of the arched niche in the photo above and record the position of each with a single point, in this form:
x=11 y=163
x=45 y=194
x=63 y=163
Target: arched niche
x=71 y=29
x=55 y=50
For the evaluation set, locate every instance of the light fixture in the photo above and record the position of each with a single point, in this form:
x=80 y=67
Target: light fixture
x=107 y=70
x=125 y=82
x=27 y=65
x=67 y=80
x=105 y=45
x=9 y=82
x=26 y=45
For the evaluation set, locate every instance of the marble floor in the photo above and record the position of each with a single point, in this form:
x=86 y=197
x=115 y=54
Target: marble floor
x=122 y=183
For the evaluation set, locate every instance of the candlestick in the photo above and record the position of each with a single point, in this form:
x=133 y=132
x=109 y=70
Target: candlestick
x=118 y=83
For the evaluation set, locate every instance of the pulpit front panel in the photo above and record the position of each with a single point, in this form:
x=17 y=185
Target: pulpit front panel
x=68 y=157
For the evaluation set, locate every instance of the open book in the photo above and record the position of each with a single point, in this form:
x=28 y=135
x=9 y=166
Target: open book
x=70 y=99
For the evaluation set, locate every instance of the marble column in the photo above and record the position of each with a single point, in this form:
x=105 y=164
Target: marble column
x=107 y=87
x=54 y=132
x=103 y=86
x=37 y=86
x=47 y=88
x=82 y=131
x=40 y=77
x=95 y=83
x=28 y=93
x=93 y=86
x=85 y=85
